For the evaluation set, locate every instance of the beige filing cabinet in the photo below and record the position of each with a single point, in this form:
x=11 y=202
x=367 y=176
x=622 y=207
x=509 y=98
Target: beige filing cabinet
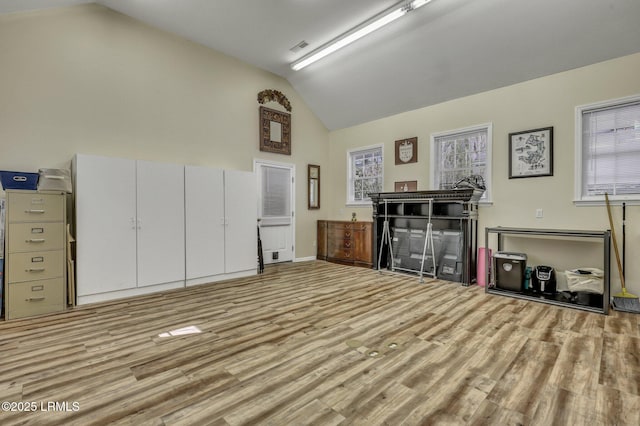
x=35 y=264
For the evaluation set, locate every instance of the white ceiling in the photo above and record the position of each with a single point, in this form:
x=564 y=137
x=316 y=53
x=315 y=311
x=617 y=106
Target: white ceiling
x=444 y=50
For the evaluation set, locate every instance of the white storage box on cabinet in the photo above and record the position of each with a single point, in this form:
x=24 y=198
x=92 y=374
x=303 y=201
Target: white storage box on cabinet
x=129 y=227
x=221 y=219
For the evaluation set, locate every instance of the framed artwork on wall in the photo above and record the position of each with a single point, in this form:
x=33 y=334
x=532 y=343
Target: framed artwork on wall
x=407 y=151
x=407 y=185
x=531 y=153
x=275 y=131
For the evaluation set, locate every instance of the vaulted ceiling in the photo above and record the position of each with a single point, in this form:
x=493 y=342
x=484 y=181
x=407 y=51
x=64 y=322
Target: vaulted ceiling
x=442 y=51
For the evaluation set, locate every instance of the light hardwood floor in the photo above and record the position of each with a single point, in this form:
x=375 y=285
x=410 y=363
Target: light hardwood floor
x=324 y=344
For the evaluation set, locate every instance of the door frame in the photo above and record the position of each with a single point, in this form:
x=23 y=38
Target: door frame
x=258 y=162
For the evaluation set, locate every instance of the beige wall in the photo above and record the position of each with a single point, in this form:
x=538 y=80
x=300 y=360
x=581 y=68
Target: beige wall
x=548 y=101
x=86 y=79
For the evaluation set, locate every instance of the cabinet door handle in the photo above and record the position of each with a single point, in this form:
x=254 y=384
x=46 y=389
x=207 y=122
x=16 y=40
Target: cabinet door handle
x=39 y=211
x=35 y=240
x=34 y=270
x=34 y=299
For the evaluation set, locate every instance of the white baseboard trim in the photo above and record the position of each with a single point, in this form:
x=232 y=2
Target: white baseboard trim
x=121 y=294
x=305 y=259
x=220 y=277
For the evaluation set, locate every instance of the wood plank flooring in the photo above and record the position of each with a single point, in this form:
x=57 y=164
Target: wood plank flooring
x=323 y=344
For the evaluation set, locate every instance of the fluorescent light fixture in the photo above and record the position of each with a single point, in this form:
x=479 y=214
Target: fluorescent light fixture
x=360 y=31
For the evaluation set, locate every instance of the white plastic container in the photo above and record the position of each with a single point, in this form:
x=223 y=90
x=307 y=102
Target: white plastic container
x=54 y=180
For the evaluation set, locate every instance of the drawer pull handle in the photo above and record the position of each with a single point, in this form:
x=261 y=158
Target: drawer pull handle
x=39 y=211
x=34 y=270
x=34 y=299
x=35 y=240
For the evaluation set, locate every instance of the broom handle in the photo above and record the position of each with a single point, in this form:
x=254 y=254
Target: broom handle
x=615 y=243
x=624 y=237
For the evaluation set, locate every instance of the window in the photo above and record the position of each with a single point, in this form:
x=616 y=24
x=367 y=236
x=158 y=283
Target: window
x=457 y=154
x=608 y=150
x=364 y=170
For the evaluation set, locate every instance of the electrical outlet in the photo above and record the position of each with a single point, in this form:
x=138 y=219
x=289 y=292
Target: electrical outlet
x=539 y=214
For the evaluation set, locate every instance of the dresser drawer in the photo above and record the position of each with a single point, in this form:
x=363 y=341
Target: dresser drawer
x=34 y=207
x=339 y=231
x=35 y=237
x=35 y=265
x=341 y=254
x=338 y=244
x=35 y=298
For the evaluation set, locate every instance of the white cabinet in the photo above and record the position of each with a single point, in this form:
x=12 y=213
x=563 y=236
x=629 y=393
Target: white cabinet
x=129 y=227
x=142 y=226
x=160 y=201
x=241 y=232
x=105 y=225
x=221 y=215
x=204 y=210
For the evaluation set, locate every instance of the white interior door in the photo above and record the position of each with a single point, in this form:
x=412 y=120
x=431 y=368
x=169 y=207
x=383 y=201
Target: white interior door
x=276 y=210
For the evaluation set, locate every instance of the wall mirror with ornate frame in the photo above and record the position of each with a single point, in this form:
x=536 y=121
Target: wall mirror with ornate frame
x=275 y=131
x=313 y=173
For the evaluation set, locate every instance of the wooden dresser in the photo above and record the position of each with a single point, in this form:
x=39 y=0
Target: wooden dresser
x=345 y=242
x=35 y=277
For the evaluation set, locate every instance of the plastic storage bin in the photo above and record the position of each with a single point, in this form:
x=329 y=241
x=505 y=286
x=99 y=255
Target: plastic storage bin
x=54 y=180
x=509 y=269
x=19 y=180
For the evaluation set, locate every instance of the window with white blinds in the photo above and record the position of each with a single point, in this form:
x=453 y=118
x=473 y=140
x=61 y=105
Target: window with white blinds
x=364 y=168
x=276 y=196
x=458 y=154
x=608 y=143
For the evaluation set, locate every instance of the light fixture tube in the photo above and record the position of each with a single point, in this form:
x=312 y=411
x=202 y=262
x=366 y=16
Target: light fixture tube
x=359 y=32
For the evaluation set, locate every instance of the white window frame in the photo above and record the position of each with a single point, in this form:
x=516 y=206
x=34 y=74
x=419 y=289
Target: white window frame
x=486 y=198
x=350 y=195
x=596 y=200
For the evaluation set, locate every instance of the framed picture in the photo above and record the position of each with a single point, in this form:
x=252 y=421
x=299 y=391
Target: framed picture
x=531 y=153
x=407 y=151
x=275 y=131
x=407 y=185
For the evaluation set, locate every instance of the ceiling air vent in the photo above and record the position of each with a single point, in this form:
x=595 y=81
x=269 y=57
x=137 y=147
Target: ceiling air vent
x=298 y=47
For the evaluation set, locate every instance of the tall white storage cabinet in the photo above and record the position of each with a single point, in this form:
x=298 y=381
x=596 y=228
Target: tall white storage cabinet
x=129 y=227
x=221 y=215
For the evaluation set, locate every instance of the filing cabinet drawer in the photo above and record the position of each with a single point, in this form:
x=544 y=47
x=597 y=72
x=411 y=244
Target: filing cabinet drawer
x=35 y=298
x=35 y=237
x=35 y=265
x=34 y=207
